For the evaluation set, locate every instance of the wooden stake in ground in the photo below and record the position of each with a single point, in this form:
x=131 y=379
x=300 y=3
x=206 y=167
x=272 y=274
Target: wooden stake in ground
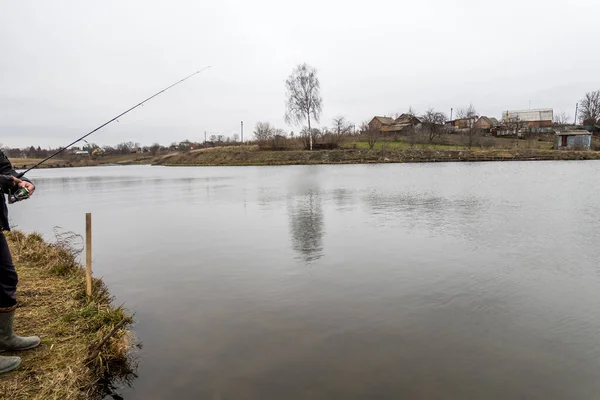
x=88 y=254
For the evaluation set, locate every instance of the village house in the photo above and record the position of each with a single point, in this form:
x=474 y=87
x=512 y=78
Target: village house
x=402 y=124
x=407 y=120
x=392 y=126
x=573 y=140
x=378 y=122
x=538 y=121
x=462 y=123
x=486 y=123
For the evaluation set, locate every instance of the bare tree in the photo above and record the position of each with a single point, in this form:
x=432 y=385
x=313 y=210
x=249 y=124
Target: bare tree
x=184 y=146
x=513 y=124
x=415 y=135
x=303 y=97
x=213 y=138
x=468 y=113
x=236 y=137
x=562 y=119
x=308 y=136
x=304 y=134
x=589 y=108
x=154 y=149
x=109 y=150
x=433 y=122
x=341 y=128
x=279 y=139
x=127 y=147
x=371 y=133
x=263 y=131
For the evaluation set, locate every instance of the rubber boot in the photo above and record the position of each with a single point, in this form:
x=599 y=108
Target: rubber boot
x=11 y=342
x=9 y=363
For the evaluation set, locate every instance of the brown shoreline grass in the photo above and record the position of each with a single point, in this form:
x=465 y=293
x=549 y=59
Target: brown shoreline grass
x=361 y=156
x=53 y=305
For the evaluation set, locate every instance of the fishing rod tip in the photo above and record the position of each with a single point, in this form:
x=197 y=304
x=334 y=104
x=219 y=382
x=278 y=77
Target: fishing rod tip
x=200 y=70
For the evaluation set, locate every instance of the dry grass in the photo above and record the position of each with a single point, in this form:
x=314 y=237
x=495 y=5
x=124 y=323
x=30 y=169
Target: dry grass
x=67 y=161
x=53 y=305
x=20 y=163
x=362 y=156
x=252 y=147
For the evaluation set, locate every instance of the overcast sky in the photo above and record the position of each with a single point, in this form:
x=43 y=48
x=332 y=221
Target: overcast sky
x=68 y=66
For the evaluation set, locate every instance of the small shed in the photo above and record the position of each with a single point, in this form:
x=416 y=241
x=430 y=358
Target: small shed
x=573 y=140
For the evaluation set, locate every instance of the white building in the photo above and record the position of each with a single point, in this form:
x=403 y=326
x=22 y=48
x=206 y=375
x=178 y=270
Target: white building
x=538 y=121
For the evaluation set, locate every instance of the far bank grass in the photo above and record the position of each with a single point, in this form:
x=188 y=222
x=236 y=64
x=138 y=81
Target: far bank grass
x=450 y=148
x=84 y=161
x=242 y=157
x=398 y=146
x=453 y=142
x=53 y=305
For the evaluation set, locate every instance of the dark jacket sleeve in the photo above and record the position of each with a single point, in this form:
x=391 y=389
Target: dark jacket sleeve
x=6 y=172
x=6 y=183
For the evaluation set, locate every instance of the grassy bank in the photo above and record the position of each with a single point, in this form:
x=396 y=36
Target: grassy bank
x=451 y=142
x=74 y=161
x=70 y=362
x=352 y=152
x=252 y=156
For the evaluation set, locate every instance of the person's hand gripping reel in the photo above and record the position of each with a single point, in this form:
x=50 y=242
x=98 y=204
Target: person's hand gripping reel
x=22 y=191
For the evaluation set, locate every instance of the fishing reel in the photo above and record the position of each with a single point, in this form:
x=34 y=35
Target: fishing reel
x=18 y=195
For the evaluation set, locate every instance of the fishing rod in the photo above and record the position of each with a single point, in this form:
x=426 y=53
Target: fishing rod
x=108 y=122
x=23 y=193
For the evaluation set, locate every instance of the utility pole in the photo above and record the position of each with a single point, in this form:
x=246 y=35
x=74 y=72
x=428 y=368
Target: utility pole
x=242 y=131
x=205 y=138
x=576 y=109
x=451 y=109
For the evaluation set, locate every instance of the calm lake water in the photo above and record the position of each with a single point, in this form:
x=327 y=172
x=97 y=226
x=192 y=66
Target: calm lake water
x=417 y=281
